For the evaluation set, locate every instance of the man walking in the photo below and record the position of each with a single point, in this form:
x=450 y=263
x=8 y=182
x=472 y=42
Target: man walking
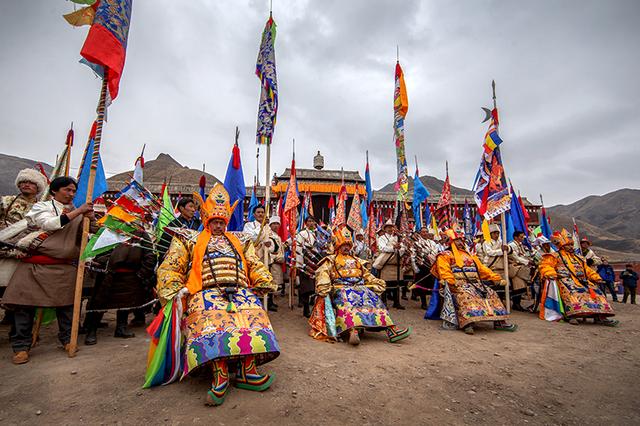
x=629 y=279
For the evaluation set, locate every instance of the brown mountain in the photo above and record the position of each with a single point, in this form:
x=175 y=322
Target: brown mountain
x=609 y=221
x=9 y=168
x=164 y=168
x=433 y=184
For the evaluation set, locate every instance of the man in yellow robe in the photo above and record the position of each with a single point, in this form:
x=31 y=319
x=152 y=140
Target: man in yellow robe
x=353 y=295
x=223 y=279
x=577 y=282
x=462 y=276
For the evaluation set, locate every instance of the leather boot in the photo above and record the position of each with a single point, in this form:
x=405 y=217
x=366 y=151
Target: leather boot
x=92 y=337
x=121 y=326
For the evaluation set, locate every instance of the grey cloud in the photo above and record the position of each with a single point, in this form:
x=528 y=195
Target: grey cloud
x=566 y=75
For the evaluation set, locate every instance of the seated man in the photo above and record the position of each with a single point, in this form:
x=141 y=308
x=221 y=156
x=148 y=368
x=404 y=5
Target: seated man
x=225 y=326
x=577 y=283
x=353 y=292
x=461 y=275
x=520 y=263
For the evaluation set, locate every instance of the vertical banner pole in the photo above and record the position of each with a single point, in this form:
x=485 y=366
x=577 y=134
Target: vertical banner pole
x=77 y=299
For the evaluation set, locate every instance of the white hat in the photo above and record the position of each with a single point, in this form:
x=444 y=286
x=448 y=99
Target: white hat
x=274 y=219
x=541 y=240
x=359 y=232
x=389 y=222
x=34 y=176
x=493 y=228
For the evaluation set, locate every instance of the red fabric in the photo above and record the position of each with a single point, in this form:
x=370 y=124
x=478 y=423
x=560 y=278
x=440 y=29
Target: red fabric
x=103 y=48
x=70 y=138
x=123 y=270
x=41 y=259
x=236 y=157
x=129 y=205
x=203 y=181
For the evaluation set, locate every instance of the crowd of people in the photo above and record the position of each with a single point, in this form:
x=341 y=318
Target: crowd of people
x=346 y=283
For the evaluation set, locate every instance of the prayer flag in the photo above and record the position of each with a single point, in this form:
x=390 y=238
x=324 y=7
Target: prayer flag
x=166 y=214
x=105 y=48
x=234 y=184
x=80 y=17
x=400 y=108
x=100 y=182
x=355 y=215
x=292 y=201
x=253 y=203
x=420 y=194
x=367 y=179
x=545 y=226
x=266 y=72
x=138 y=170
x=492 y=195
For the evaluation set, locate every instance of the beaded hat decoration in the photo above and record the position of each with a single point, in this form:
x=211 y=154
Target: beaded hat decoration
x=216 y=206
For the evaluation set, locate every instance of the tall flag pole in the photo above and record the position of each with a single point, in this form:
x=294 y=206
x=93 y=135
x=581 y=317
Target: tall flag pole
x=400 y=108
x=545 y=224
x=268 y=105
x=492 y=193
x=104 y=50
x=290 y=211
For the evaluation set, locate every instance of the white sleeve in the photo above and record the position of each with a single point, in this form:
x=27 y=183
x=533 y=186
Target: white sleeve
x=515 y=255
x=42 y=217
x=490 y=251
x=384 y=245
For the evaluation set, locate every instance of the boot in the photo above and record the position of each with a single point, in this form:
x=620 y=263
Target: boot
x=220 y=383
x=92 y=337
x=248 y=378
x=121 y=326
x=139 y=319
x=91 y=321
x=271 y=306
x=404 y=293
x=395 y=334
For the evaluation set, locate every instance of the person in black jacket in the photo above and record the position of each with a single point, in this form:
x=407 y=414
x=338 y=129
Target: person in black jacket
x=629 y=279
x=187 y=219
x=608 y=277
x=125 y=283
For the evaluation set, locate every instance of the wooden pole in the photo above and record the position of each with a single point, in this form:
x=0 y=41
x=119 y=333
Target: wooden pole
x=267 y=206
x=77 y=300
x=67 y=164
x=505 y=261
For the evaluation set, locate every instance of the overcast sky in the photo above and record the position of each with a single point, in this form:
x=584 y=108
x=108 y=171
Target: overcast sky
x=566 y=71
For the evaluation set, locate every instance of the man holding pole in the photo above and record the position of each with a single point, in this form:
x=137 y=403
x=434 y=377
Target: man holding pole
x=45 y=278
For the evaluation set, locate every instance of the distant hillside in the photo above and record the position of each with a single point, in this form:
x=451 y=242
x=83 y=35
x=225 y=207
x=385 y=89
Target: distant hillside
x=9 y=168
x=610 y=221
x=164 y=168
x=433 y=184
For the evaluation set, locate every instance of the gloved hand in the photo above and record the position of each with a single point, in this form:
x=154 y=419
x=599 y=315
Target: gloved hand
x=183 y=292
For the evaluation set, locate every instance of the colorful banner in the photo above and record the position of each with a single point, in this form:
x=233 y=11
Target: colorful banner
x=400 y=108
x=266 y=72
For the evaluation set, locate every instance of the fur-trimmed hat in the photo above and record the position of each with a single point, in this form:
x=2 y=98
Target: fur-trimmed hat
x=33 y=176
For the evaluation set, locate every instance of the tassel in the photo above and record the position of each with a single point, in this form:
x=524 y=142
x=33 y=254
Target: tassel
x=231 y=307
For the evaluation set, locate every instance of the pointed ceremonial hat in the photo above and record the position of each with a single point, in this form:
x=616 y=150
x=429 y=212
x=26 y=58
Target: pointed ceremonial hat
x=216 y=206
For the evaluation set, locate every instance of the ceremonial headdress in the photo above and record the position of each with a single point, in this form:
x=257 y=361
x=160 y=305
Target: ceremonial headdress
x=217 y=205
x=341 y=236
x=561 y=238
x=33 y=176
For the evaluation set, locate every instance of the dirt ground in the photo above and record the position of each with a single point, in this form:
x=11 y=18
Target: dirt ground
x=545 y=373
